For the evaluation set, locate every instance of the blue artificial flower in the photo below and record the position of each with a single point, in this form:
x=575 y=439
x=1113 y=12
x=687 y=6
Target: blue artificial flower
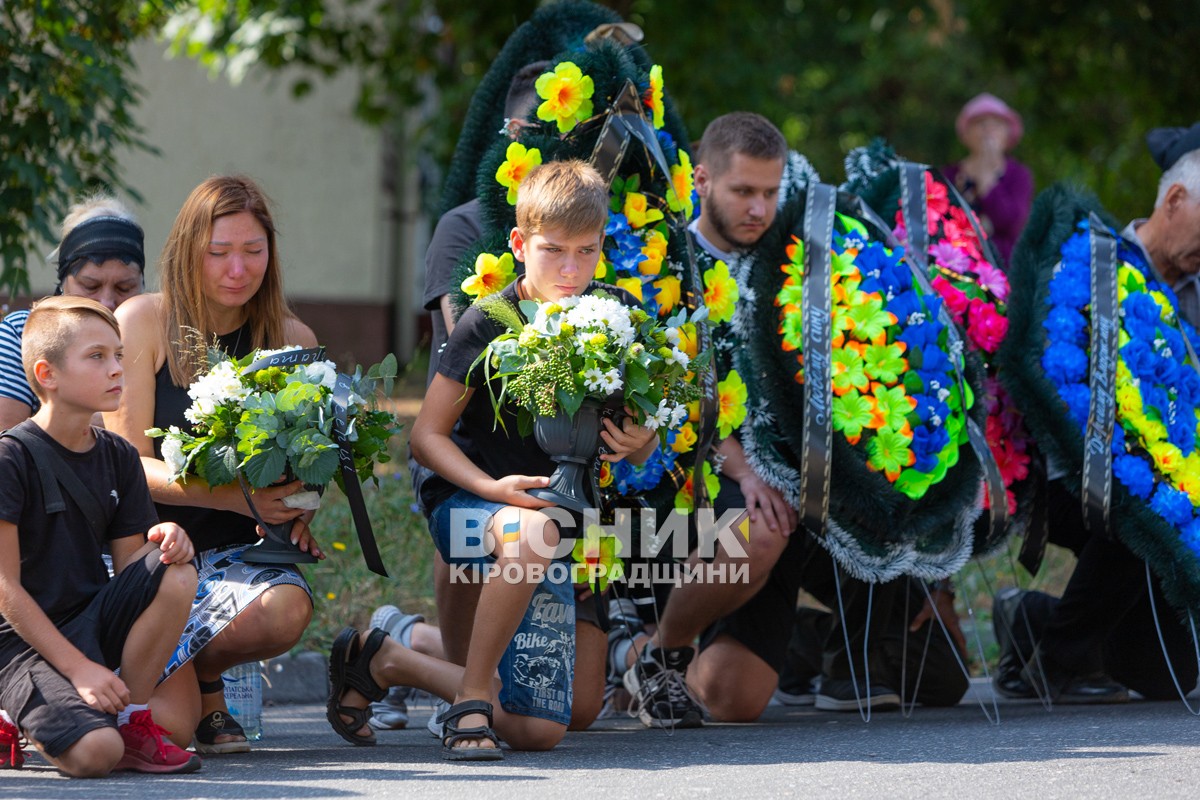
x=1140 y=358
x=1135 y=475
x=874 y=261
x=1141 y=315
x=920 y=338
x=930 y=410
x=1172 y=505
x=1190 y=536
x=1076 y=396
x=1065 y=363
x=1118 y=441
x=1071 y=285
x=1067 y=325
x=926 y=444
x=1077 y=249
x=630 y=478
x=1181 y=432
x=667 y=142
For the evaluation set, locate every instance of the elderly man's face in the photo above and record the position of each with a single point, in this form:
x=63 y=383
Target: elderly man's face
x=1178 y=248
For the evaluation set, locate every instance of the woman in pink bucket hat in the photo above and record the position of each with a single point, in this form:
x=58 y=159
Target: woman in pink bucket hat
x=998 y=187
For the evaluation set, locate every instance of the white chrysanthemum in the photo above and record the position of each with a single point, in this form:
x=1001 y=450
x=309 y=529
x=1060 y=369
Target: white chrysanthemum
x=679 y=415
x=172 y=452
x=678 y=357
x=611 y=381
x=672 y=335
x=662 y=416
x=593 y=379
x=220 y=385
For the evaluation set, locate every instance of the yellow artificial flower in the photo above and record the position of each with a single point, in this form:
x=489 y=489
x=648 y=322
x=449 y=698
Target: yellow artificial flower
x=653 y=98
x=679 y=195
x=639 y=212
x=1187 y=479
x=655 y=251
x=339 y=546
x=518 y=163
x=1167 y=457
x=601 y=267
x=731 y=399
x=1129 y=399
x=685 y=498
x=491 y=275
x=685 y=439
x=669 y=291
x=567 y=93
x=633 y=286
x=693 y=411
x=688 y=340
x=606 y=474
x=596 y=559
x=1164 y=307
x=720 y=293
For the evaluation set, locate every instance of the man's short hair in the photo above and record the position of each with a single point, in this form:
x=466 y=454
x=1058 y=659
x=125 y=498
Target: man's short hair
x=50 y=329
x=1185 y=171
x=743 y=132
x=522 y=92
x=567 y=196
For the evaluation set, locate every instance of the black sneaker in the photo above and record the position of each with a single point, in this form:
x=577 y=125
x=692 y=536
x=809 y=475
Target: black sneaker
x=801 y=693
x=660 y=693
x=1065 y=688
x=839 y=695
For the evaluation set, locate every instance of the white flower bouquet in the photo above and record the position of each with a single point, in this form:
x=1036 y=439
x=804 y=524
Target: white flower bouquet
x=266 y=422
x=590 y=346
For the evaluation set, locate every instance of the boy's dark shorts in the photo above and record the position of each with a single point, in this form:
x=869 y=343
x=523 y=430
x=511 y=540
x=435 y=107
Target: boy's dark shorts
x=764 y=624
x=40 y=699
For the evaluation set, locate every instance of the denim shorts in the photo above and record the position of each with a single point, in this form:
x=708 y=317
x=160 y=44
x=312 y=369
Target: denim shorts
x=538 y=667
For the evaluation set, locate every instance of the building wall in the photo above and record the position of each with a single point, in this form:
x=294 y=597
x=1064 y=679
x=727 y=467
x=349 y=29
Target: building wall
x=320 y=166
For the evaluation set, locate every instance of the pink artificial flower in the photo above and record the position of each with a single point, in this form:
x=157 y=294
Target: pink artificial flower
x=948 y=256
x=958 y=230
x=992 y=279
x=956 y=300
x=986 y=328
x=936 y=199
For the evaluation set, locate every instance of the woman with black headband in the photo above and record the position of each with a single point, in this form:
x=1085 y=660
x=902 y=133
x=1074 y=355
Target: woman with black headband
x=102 y=257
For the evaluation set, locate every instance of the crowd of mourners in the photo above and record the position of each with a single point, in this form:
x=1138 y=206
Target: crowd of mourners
x=124 y=597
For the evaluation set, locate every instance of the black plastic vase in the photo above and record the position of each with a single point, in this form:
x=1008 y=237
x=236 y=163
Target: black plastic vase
x=571 y=443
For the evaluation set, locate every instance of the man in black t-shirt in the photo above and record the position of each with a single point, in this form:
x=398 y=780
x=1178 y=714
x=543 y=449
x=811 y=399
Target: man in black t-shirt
x=64 y=626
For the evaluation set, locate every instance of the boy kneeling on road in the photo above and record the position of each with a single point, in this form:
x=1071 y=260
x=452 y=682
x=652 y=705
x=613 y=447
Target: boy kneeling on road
x=67 y=489
x=526 y=630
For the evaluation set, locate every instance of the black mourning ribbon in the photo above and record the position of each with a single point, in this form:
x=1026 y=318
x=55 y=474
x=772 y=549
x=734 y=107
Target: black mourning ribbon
x=353 y=490
x=624 y=122
x=816 y=449
x=914 y=207
x=1102 y=378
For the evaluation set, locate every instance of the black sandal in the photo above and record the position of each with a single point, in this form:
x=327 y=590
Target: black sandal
x=350 y=668
x=218 y=723
x=452 y=734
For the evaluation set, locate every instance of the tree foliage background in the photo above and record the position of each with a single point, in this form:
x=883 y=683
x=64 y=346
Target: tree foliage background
x=1089 y=79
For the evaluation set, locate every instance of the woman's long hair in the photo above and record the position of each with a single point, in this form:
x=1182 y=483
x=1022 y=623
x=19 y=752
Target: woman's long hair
x=185 y=306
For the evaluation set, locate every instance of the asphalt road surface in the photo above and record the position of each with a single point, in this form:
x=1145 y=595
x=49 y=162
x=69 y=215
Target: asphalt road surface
x=1137 y=750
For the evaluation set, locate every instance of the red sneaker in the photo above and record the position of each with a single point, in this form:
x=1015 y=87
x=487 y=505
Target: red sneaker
x=147 y=748
x=11 y=754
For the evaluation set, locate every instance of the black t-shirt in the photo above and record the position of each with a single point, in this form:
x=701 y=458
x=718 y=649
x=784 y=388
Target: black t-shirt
x=61 y=565
x=209 y=528
x=456 y=231
x=497 y=451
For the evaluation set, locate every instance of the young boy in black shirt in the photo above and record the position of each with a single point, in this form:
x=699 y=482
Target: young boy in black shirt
x=64 y=626
x=522 y=628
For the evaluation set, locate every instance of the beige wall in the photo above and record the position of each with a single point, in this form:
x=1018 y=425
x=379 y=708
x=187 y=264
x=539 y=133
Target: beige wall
x=318 y=164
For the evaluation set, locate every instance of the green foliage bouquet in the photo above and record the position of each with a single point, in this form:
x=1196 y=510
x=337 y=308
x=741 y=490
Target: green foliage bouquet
x=584 y=347
x=278 y=420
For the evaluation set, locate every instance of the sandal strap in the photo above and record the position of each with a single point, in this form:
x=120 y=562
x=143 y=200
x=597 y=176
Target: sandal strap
x=459 y=710
x=480 y=732
x=208 y=731
x=358 y=670
x=212 y=687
